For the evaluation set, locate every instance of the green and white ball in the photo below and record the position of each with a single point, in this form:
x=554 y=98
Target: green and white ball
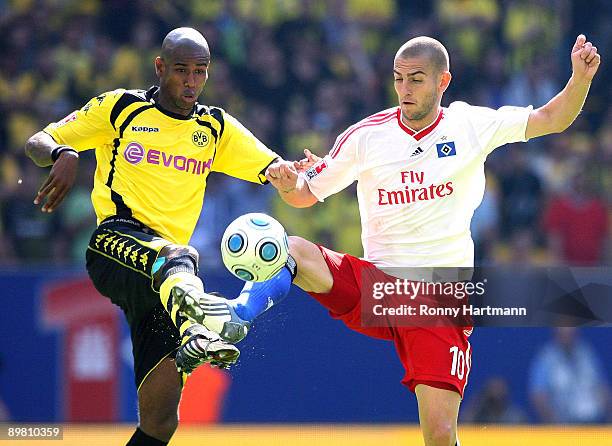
x=254 y=247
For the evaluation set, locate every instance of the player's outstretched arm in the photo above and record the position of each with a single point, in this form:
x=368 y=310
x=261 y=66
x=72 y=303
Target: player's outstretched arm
x=292 y=187
x=42 y=149
x=557 y=115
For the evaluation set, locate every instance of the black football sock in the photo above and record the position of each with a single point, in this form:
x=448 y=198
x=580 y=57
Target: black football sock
x=141 y=439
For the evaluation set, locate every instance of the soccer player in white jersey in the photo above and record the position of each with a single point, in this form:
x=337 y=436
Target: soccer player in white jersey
x=420 y=174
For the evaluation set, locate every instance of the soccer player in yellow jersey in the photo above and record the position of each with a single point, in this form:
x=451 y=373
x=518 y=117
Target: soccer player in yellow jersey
x=154 y=151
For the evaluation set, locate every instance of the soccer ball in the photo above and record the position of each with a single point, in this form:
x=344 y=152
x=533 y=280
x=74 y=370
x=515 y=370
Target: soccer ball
x=254 y=247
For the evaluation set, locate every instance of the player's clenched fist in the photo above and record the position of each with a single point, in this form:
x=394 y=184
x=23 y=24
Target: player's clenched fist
x=282 y=175
x=585 y=59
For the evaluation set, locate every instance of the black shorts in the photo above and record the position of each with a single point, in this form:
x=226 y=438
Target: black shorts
x=120 y=256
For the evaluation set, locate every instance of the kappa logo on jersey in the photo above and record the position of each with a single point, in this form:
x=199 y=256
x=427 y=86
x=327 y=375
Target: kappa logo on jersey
x=139 y=128
x=417 y=151
x=446 y=149
x=100 y=98
x=316 y=170
x=199 y=138
x=134 y=153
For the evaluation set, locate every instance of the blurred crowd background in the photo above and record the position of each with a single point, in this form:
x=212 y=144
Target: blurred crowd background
x=297 y=73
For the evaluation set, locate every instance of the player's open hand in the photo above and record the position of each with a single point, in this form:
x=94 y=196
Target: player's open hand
x=282 y=175
x=585 y=59
x=59 y=182
x=306 y=163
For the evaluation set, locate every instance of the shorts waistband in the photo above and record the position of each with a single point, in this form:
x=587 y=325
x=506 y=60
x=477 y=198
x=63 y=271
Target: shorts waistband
x=126 y=221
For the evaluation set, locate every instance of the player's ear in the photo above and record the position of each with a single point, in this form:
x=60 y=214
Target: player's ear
x=159 y=66
x=445 y=79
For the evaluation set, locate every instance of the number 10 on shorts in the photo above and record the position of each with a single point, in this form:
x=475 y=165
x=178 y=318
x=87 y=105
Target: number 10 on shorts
x=461 y=361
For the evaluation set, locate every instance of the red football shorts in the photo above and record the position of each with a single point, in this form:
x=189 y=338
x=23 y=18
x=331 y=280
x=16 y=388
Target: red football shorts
x=440 y=357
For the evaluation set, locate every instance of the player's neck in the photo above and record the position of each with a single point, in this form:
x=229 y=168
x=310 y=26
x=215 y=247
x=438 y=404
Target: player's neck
x=165 y=102
x=420 y=124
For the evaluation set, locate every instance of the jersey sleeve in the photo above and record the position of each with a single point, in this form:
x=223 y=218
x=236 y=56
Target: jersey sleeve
x=335 y=171
x=494 y=128
x=89 y=127
x=240 y=154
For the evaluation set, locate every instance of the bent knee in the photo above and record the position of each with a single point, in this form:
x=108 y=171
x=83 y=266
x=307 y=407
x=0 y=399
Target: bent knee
x=173 y=251
x=439 y=433
x=313 y=274
x=175 y=258
x=298 y=246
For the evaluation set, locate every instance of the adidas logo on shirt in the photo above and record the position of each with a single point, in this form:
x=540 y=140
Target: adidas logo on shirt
x=417 y=151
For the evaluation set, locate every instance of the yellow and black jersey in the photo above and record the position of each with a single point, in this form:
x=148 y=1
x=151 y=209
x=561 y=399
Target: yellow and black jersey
x=152 y=164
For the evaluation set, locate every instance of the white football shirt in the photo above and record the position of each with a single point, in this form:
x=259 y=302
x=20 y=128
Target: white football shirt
x=417 y=191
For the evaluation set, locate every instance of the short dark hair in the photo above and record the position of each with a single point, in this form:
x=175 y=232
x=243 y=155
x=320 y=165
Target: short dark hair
x=429 y=47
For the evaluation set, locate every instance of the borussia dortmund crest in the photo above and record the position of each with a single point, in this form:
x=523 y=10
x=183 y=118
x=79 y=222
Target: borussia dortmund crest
x=199 y=138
